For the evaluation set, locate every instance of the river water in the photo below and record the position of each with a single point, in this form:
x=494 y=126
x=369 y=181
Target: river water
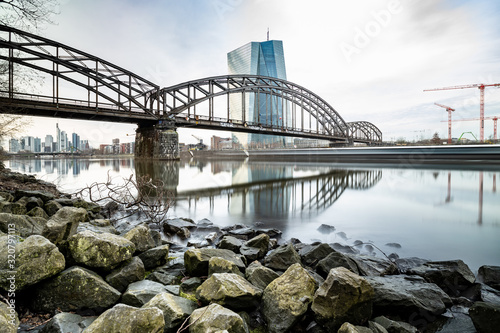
x=438 y=212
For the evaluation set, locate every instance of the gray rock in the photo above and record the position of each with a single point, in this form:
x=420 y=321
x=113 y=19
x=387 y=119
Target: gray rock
x=452 y=276
x=9 y=321
x=489 y=275
x=350 y=328
x=282 y=257
x=244 y=233
x=326 y=229
x=220 y=265
x=67 y=322
x=260 y=276
x=51 y=207
x=155 y=257
x=312 y=254
x=141 y=237
x=36 y=260
x=346 y=249
x=128 y=272
x=96 y=228
x=260 y=243
x=373 y=266
x=45 y=196
x=376 y=328
x=175 y=309
x=38 y=212
x=190 y=285
x=344 y=297
x=126 y=319
x=407 y=295
x=25 y=225
x=405 y=264
x=178 y=226
x=30 y=202
x=74 y=289
x=395 y=326
x=272 y=232
x=64 y=224
x=16 y=208
x=216 y=318
x=141 y=292
x=104 y=250
x=486 y=317
x=287 y=298
x=333 y=260
x=230 y=243
x=5 y=196
x=196 y=260
x=229 y=290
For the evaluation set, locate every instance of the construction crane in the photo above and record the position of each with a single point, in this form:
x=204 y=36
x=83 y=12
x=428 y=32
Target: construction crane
x=199 y=145
x=495 y=118
x=481 y=87
x=449 y=119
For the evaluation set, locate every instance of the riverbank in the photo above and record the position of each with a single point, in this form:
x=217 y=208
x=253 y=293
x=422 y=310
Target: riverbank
x=249 y=275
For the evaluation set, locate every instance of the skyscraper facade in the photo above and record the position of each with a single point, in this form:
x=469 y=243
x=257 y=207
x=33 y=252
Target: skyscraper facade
x=265 y=59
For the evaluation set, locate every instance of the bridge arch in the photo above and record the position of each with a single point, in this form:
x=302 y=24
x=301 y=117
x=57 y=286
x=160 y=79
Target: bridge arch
x=364 y=131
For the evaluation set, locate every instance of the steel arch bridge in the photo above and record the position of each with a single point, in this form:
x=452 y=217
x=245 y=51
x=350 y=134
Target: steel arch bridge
x=87 y=87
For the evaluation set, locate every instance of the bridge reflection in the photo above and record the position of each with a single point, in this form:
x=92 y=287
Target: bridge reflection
x=262 y=190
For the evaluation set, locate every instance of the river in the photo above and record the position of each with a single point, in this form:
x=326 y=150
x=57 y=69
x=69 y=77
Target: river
x=438 y=212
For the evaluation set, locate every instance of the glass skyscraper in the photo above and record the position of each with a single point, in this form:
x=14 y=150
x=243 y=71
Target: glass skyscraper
x=265 y=59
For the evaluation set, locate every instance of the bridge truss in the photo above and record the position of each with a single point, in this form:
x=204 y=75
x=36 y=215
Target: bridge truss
x=100 y=90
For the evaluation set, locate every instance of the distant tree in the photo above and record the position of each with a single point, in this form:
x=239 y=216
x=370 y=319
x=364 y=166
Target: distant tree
x=436 y=139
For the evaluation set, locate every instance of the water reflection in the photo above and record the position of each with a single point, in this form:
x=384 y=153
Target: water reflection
x=260 y=190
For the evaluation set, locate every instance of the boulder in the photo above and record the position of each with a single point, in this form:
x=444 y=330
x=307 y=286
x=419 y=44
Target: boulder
x=216 y=318
x=260 y=276
x=128 y=272
x=326 y=229
x=376 y=327
x=36 y=259
x=404 y=264
x=230 y=243
x=452 y=276
x=282 y=258
x=178 y=226
x=392 y=326
x=30 y=202
x=16 y=208
x=155 y=257
x=312 y=254
x=95 y=228
x=373 y=266
x=344 y=248
x=67 y=322
x=229 y=290
x=75 y=288
x=9 y=321
x=141 y=292
x=196 y=260
x=243 y=233
x=189 y=286
x=44 y=196
x=126 y=319
x=175 y=309
x=287 y=298
x=6 y=196
x=104 y=250
x=170 y=273
x=220 y=265
x=485 y=316
x=25 y=225
x=38 y=212
x=141 y=237
x=343 y=297
x=333 y=260
x=255 y=248
x=350 y=328
x=63 y=224
x=406 y=295
x=489 y=275
x=51 y=207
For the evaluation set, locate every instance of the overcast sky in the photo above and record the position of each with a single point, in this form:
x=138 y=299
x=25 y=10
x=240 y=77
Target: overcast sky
x=369 y=59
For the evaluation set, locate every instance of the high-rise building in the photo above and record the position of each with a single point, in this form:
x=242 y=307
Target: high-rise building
x=76 y=141
x=48 y=143
x=58 y=138
x=37 y=146
x=14 y=146
x=265 y=59
x=64 y=142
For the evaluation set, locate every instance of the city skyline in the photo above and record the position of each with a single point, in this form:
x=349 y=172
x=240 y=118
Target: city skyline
x=371 y=60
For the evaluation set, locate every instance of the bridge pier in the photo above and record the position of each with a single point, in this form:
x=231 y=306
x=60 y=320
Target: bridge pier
x=158 y=141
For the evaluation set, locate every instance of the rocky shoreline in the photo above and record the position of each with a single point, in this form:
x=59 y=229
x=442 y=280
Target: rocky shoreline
x=65 y=263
